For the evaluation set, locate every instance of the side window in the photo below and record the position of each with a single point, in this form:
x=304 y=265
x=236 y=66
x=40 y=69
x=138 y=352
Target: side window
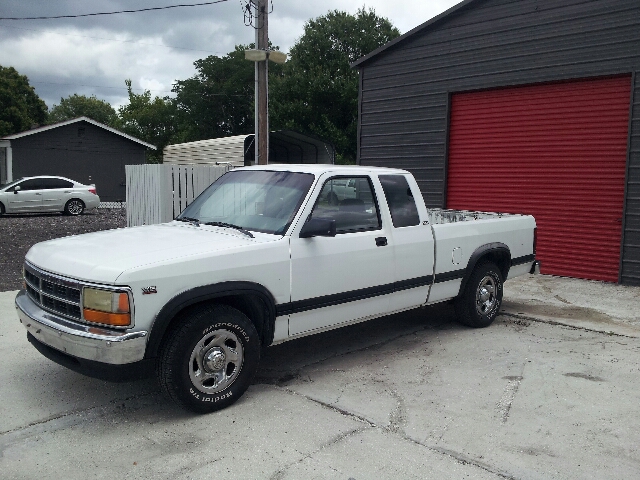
x=32 y=184
x=56 y=183
x=350 y=202
x=402 y=205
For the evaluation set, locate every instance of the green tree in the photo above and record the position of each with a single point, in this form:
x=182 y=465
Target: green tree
x=219 y=100
x=76 y=106
x=317 y=91
x=149 y=119
x=20 y=106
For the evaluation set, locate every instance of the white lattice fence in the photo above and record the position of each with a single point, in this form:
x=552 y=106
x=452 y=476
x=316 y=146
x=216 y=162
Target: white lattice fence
x=157 y=193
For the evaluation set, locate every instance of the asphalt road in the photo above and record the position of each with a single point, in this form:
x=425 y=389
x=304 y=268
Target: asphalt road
x=413 y=395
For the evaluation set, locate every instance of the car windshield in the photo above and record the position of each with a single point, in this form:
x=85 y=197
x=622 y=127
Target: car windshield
x=258 y=200
x=10 y=184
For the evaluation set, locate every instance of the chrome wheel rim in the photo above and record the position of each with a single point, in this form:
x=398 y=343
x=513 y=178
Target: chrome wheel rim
x=74 y=207
x=216 y=361
x=486 y=295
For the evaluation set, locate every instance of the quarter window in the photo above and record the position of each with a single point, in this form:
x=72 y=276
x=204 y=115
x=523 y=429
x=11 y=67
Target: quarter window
x=350 y=202
x=402 y=205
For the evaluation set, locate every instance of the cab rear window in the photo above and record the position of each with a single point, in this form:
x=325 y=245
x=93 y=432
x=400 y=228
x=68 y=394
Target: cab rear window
x=402 y=205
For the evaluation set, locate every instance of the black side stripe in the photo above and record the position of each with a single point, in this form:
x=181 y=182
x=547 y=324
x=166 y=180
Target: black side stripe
x=346 y=297
x=447 y=276
x=523 y=260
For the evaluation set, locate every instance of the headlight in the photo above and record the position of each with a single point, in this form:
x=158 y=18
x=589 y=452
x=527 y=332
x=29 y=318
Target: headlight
x=106 y=307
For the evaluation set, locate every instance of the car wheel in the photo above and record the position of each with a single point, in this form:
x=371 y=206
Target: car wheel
x=480 y=302
x=74 y=207
x=209 y=359
x=1 y=209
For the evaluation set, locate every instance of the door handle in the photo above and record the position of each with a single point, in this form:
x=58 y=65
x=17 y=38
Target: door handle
x=381 y=241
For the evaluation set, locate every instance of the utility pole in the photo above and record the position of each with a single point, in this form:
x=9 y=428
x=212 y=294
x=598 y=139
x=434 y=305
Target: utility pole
x=262 y=88
x=261 y=56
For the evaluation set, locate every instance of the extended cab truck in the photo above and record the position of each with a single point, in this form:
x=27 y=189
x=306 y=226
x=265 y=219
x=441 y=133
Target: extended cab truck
x=262 y=256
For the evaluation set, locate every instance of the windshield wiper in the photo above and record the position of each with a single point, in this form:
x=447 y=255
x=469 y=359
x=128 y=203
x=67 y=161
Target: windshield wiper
x=230 y=225
x=193 y=221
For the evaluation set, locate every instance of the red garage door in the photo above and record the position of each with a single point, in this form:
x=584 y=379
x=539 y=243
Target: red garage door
x=555 y=151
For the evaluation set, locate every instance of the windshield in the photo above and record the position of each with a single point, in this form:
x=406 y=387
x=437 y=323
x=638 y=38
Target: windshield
x=258 y=200
x=10 y=184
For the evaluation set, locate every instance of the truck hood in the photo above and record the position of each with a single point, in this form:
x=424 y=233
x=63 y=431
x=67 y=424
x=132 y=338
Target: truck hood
x=102 y=257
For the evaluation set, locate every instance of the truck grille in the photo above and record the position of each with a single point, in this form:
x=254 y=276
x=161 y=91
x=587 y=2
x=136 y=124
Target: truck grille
x=55 y=294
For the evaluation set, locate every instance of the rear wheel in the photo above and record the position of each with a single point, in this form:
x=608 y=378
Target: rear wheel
x=209 y=359
x=74 y=207
x=480 y=302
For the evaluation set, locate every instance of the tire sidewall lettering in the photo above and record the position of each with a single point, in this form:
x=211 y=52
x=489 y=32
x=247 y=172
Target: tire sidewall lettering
x=226 y=326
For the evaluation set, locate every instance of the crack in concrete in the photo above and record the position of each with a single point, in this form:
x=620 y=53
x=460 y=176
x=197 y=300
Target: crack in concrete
x=509 y=395
x=397 y=417
x=334 y=441
x=63 y=420
x=459 y=457
x=561 y=324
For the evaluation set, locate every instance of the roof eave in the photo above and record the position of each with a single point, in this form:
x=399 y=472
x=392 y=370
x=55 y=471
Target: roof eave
x=75 y=120
x=358 y=63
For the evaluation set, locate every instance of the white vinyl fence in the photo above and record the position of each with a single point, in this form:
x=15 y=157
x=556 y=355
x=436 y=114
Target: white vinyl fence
x=157 y=193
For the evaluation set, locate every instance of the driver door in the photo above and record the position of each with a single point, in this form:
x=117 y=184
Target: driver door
x=27 y=198
x=347 y=277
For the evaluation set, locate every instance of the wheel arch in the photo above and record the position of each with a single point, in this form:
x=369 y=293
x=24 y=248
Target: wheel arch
x=496 y=252
x=252 y=299
x=3 y=209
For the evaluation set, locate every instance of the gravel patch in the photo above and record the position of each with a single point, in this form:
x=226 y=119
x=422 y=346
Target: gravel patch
x=19 y=232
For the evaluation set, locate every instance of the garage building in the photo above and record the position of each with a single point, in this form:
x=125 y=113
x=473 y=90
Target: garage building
x=523 y=106
x=80 y=149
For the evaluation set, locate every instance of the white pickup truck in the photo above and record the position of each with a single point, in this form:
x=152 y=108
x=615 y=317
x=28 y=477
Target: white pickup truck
x=264 y=255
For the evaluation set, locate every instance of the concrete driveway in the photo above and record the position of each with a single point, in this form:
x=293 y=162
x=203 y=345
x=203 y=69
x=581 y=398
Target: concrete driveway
x=550 y=390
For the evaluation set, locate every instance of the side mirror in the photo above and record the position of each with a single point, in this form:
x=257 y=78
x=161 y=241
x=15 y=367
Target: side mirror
x=16 y=189
x=318 y=227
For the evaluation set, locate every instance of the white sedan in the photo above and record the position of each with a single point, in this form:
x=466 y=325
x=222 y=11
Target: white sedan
x=47 y=194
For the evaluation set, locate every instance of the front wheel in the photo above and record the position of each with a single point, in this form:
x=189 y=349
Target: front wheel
x=209 y=359
x=480 y=302
x=74 y=207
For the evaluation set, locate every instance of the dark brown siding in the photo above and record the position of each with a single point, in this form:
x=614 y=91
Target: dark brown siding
x=82 y=152
x=488 y=44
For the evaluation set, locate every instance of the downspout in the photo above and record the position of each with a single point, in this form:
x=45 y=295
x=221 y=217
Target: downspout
x=8 y=159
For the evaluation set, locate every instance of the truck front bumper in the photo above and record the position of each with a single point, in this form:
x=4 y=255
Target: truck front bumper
x=80 y=341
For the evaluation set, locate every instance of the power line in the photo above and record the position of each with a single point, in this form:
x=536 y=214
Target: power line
x=136 y=88
x=115 y=13
x=112 y=39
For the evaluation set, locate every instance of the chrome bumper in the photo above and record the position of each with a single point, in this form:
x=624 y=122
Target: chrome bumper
x=81 y=341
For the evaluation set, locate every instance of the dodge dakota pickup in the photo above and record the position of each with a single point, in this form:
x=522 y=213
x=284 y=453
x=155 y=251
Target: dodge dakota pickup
x=264 y=255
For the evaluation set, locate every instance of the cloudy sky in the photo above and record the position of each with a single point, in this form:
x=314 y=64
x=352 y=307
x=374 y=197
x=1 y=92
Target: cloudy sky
x=94 y=55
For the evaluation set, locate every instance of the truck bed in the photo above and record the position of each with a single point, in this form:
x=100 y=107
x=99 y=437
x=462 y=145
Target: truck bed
x=441 y=216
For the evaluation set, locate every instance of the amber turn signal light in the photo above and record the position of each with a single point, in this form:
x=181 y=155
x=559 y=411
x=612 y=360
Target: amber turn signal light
x=107 y=318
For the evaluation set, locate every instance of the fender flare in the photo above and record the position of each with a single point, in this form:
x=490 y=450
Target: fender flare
x=490 y=249
x=210 y=292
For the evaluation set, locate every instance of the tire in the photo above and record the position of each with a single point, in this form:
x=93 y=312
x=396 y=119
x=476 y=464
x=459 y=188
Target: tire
x=74 y=207
x=209 y=359
x=480 y=302
x=1 y=209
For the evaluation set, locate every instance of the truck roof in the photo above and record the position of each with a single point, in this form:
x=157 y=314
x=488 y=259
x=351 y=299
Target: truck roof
x=318 y=169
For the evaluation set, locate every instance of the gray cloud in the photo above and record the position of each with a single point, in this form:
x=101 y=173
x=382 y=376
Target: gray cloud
x=94 y=55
